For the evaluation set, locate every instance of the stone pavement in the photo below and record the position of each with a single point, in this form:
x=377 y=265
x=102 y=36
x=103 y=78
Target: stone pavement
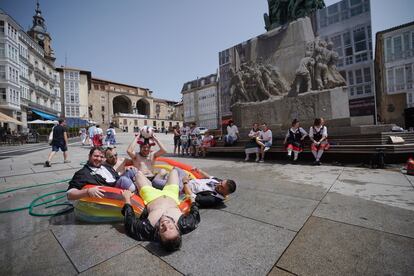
x=282 y=220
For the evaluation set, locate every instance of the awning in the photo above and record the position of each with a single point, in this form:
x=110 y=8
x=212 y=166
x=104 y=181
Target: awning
x=45 y=115
x=7 y=119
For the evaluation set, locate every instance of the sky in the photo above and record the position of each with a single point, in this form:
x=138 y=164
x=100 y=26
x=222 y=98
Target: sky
x=161 y=44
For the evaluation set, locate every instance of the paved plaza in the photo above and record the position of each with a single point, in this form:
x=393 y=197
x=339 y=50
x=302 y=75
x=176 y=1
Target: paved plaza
x=282 y=220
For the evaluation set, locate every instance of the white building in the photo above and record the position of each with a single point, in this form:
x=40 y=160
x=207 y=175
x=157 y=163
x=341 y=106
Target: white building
x=29 y=84
x=200 y=100
x=348 y=25
x=394 y=56
x=75 y=87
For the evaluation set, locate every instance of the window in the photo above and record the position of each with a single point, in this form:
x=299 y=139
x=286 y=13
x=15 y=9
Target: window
x=333 y=14
x=2 y=50
x=336 y=40
x=358 y=76
x=154 y=123
x=3 y=94
x=390 y=80
x=125 y=122
x=397 y=47
x=2 y=27
x=361 y=57
x=356 y=7
x=360 y=42
x=2 y=72
x=135 y=122
x=407 y=52
x=399 y=78
x=359 y=90
x=102 y=87
x=409 y=76
x=344 y=10
x=388 y=49
x=224 y=56
x=96 y=87
x=367 y=89
x=103 y=108
x=367 y=74
x=322 y=18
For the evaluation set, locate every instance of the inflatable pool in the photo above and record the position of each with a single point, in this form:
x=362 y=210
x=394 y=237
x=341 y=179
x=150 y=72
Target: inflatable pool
x=108 y=208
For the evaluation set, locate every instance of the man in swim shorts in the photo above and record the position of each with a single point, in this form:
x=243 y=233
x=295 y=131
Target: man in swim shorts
x=162 y=220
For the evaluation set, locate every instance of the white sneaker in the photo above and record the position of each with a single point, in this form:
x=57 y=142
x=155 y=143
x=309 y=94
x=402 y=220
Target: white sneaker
x=257 y=160
x=246 y=159
x=266 y=148
x=261 y=161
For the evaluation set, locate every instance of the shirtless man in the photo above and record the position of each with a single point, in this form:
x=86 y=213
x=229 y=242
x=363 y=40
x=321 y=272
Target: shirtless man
x=163 y=221
x=144 y=159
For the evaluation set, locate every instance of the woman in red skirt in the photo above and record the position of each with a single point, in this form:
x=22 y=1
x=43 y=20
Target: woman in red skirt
x=294 y=140
x=318 y=134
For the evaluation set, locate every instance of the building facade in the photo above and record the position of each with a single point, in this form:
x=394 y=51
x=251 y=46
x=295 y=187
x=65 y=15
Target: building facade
x=75 y=87
x=29 y=84
x=128 y=107
x=347 y=24
x=200 y=101
x=394 y=65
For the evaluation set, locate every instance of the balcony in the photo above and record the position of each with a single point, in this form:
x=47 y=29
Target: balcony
x=43 y=91
x=24 y=59
x=41 y=74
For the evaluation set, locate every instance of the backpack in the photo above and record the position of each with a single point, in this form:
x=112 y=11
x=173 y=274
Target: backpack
x=108 y=132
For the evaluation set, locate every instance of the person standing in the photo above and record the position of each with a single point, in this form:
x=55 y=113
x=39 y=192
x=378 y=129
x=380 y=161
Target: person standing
x=110 y=135
x=195 y=139
x=83 y=135
x=177 y=142
x=91 y=132
x=184 y=138
x=232 y=134
x=97 y=138
x=60 y=141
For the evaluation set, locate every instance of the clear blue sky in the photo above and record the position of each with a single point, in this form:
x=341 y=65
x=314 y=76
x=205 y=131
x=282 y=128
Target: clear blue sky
x=161 y=44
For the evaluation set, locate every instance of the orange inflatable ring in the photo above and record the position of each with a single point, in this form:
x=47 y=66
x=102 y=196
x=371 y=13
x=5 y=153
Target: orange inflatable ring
x=180 y=165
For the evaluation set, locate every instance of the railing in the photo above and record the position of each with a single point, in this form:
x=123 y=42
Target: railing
x=42 y=74
x=42 y=90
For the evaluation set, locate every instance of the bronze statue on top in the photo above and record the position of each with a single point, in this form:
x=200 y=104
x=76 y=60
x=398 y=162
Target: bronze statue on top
x=284 y=11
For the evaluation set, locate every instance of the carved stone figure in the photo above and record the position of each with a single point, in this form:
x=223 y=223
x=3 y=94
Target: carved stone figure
x=284 y=11
x=237 y=91
x=256 y=82
x=304 y=75
x=334 y=78
x=317 y=70
x=321 y=64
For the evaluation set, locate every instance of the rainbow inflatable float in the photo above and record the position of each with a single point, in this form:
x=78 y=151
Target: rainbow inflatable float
x=108 y=208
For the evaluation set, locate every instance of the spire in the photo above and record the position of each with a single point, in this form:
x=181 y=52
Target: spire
x=38 y=11
x=38 y=20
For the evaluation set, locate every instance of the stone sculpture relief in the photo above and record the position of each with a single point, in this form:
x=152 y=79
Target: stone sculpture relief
x=284 y=11
x=255 y=82
x=317 y=70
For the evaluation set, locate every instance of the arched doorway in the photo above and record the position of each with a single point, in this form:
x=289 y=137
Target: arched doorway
x=122 y=104
x=143 y=107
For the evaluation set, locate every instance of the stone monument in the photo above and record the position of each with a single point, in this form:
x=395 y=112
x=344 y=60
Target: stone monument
x=283 y=74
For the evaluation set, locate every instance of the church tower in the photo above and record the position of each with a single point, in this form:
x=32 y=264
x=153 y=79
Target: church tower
x=39 y=34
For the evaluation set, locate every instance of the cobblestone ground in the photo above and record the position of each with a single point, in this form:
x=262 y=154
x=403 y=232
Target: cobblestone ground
x=282 y=220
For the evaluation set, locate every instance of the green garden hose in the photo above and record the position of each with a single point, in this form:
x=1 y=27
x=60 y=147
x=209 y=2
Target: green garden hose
x=33 y=203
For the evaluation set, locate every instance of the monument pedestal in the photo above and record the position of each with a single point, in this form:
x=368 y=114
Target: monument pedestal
x=278 y=112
